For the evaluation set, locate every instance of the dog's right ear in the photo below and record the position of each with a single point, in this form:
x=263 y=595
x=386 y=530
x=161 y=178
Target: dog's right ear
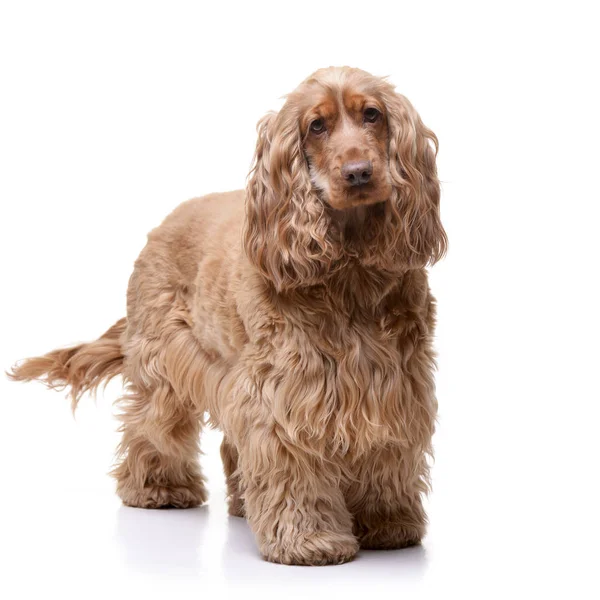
x=284 y=233
x=259 y=198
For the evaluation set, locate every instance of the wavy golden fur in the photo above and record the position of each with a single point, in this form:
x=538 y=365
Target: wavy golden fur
x=301 y=320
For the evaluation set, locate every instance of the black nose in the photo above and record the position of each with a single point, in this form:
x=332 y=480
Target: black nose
x=357 y=172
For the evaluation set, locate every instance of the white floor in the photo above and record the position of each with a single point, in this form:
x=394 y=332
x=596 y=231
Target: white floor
x=64 y=531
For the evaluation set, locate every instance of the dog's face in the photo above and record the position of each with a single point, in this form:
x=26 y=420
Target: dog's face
x=346 y=153
x=345 y=138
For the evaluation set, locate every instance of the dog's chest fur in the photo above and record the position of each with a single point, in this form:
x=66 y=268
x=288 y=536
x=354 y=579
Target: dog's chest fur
x=331 y=373
x=353 y=376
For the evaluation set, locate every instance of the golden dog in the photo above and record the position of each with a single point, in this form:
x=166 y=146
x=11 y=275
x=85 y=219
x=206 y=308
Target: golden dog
x=297 y=314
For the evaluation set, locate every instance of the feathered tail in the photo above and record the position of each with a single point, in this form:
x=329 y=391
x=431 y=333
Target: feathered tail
x=82 y=368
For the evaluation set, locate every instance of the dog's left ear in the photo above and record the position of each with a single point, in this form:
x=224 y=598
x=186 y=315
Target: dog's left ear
x=412 y=153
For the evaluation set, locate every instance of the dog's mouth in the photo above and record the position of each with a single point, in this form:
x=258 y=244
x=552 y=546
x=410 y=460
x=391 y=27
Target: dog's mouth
x=341 y=196
x=366 y=194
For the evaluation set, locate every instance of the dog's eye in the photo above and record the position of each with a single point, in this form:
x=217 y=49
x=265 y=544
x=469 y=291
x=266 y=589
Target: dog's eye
x=371 y=115
x=317 y=126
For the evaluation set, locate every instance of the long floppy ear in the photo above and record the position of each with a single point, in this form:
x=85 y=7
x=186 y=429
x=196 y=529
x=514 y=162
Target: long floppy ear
x=412 y=153
x=285 y=230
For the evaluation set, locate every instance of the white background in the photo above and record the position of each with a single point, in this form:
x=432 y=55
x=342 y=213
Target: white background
x=112 y=113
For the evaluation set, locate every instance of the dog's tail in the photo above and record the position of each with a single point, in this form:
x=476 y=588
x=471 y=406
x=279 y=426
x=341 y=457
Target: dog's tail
x=82 y=368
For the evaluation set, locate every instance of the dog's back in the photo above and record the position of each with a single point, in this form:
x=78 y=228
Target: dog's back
x=187 y=240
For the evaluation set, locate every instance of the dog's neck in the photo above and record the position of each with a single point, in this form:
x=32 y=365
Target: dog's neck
x=360 y=237
x=363 y=272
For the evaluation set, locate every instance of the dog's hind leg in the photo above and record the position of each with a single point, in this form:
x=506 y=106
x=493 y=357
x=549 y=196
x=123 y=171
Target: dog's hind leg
x=162 y=415
x=159 y=450
x=229 y=455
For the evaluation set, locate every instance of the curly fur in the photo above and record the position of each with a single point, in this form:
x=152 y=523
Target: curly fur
x=309 y=343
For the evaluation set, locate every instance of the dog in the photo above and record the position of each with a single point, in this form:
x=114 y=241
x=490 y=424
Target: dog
x=296 y=314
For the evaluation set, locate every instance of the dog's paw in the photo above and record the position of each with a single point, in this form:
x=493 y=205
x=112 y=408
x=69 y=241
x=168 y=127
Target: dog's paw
x=155 y=496
x=312 y=548
x=389 y=536
x=236 y=507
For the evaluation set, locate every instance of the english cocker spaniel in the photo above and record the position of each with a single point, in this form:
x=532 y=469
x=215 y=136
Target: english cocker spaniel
x=297 y=314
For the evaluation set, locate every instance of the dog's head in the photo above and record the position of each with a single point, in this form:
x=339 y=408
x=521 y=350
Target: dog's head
x=344 y=148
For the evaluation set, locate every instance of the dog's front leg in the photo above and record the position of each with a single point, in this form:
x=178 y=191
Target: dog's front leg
x=293 y=503
x=385 y=498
